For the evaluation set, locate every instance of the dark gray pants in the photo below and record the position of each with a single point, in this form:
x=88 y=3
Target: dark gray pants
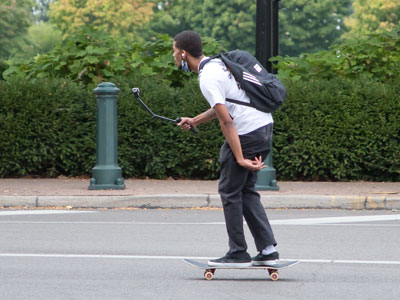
x=239 y=196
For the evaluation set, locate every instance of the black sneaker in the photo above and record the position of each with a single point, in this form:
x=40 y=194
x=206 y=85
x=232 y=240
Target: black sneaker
x=265 y=260
x=227 y=261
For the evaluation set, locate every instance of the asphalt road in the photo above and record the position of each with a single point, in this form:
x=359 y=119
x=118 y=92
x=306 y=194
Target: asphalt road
x=137 y=254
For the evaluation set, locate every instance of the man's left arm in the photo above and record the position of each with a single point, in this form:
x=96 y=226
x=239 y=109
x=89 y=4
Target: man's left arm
x=231 y=135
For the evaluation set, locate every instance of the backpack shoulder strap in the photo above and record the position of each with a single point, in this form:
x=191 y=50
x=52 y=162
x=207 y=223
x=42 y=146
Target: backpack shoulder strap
x=201 y=66
x=239 y=102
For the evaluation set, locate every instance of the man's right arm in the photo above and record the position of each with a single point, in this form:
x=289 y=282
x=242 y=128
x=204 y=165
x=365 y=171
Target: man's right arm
x=204 y=117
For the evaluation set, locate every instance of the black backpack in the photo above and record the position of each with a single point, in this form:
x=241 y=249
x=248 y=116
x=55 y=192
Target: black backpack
x=265 y=90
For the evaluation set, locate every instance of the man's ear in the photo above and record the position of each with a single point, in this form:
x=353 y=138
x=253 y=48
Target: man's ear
x=184 y=54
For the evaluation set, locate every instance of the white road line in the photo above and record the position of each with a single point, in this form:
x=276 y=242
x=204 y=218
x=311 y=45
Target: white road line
x=340 y=261
x=40 y=212
x=101 y=256
x=181 y=223
x=331 y=221
x=164 y=257
x=303 y=221
x=335 y=220
x=112 y=223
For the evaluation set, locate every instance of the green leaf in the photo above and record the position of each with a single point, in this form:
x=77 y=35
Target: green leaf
x=91 y=59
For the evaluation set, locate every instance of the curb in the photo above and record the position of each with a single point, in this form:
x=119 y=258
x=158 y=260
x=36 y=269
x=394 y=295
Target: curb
x=393 y=202
x=314 y=201
x=203 y=201
x=25 y=201
x=141 y=201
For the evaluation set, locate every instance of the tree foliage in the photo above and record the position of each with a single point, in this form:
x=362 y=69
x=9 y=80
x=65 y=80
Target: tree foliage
x=170 y=17
x=40 y=38
x=123 y=18
x=86 y=56
x=91 y=56
x=373 y=16
x=311 y=26
x=305 y=26
x=376 y=55
x=230 y=22
x=16 y=17
x=41 y=9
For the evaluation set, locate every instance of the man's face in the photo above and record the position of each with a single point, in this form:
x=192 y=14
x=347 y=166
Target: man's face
x=177 y=55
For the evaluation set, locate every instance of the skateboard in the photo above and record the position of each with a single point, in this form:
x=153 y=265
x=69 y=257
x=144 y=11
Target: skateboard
x=210 y=270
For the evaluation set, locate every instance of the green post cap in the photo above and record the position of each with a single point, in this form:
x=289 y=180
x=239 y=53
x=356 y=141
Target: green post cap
x=106 y=88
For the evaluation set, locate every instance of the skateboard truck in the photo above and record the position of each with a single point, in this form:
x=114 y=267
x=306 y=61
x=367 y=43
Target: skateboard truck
x=273 y=273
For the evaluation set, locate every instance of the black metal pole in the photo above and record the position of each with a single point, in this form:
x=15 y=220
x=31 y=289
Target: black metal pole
x=275 y=31
x=267 y=46
x=264 y=32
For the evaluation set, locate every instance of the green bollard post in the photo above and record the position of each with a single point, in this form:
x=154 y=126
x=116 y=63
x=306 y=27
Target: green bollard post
x=106 y=174
x=266 y=180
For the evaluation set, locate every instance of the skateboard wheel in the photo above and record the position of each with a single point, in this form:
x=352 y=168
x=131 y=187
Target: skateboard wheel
x=274 y=276
x=208 y=275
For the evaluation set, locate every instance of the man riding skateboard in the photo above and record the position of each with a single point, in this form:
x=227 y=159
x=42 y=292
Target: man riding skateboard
x=247 y=132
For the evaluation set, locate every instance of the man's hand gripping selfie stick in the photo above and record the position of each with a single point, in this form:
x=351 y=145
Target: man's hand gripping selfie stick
x=136 y=92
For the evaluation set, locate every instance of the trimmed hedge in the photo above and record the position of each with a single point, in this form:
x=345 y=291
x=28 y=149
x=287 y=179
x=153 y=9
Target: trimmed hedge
x=157 y=149
x=47 y=128
x=338 y=129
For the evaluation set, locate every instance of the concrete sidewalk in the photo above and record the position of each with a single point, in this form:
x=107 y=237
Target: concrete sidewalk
x=148 y=193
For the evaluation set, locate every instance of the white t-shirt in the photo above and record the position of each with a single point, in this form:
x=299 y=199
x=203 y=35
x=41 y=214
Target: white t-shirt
x=217 y=83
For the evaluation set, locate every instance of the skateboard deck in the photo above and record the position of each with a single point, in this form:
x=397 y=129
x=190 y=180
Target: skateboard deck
x=210 y=270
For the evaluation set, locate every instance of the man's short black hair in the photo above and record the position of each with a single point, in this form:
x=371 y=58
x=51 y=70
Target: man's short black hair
x=189 y=41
